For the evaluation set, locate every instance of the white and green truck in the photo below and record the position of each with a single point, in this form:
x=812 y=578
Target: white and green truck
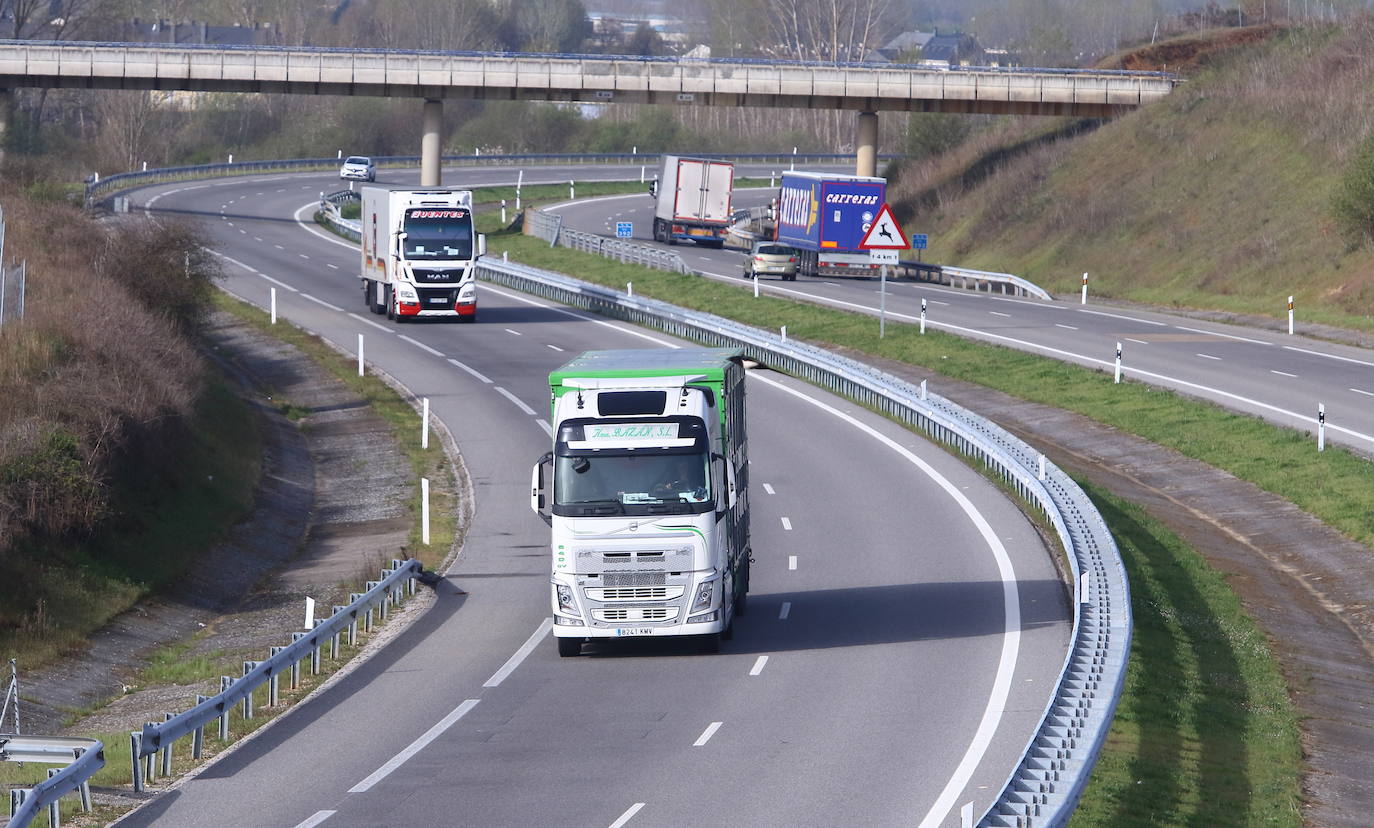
x=646 y=494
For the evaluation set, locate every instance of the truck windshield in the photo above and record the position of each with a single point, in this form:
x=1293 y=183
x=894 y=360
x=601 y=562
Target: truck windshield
x=438 y=233
x=635 y=482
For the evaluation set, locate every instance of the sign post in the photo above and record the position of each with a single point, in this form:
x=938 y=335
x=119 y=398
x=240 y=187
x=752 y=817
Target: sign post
x=882 y=241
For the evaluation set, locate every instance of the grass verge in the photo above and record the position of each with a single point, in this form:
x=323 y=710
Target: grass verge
x=159 y=525
x=1205 y=733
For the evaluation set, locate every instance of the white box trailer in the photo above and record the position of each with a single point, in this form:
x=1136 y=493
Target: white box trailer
x=693 y=200
x=419 y=250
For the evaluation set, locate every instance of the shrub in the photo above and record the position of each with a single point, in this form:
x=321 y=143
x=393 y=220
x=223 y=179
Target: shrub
x=1353 y=204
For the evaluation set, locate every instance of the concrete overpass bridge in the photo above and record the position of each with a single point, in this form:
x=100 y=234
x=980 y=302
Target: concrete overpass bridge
x=436 y=76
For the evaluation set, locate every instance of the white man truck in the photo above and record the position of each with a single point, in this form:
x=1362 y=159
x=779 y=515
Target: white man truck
x=646 y=494
x=692 y=200
x=419 y=252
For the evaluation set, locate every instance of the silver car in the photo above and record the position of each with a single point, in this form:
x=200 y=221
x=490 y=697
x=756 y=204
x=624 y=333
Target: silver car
x=358 y=168
x=769 y=258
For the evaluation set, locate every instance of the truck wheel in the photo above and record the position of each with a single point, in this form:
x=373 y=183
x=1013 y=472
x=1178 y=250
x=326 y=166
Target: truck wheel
x=569 y=647
x=707 y=644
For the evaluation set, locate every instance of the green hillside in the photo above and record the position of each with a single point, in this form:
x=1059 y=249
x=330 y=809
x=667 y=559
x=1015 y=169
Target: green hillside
x=1219 y=197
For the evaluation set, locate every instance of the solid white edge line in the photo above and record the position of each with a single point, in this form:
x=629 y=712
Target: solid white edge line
x=422 y=346
x=316 y=818
x=520 y=654
x=322 y=302
x=1067 y=327
x=1283 y=373
x=1328 y=356
x=707 y=734
x=628 y=815
x=518 y=404
x=1224 y=335
x=1366 y=393
x=1136 y=341
x=544 y=424
x=366 y=321
x=455 y=363
x=758 y=665
x=1120 y=316
x=1011 y=611
x=414 y=747
x=785 y=611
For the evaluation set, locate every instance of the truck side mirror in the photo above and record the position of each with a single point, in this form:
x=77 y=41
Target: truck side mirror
x=723 y=480
x=538 y=499
x=481 y=244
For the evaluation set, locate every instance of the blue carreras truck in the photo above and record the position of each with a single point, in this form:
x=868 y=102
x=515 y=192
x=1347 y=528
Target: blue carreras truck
x=825 y=216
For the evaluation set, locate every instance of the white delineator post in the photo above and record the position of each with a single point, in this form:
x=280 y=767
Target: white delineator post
x=630 y=289
x=642 y=170
x=923 y=316
x=309 y=613
x=424 y=510
x=784 y=333
x=1290 y=316
x=756 y=285
x=360 y=355
x=1321 y=427
x=572 y=189
x=424 y=424
x=274 y=306
x=519 y=179
x=1118 y=362
x=503 y=211
x=1085 y=289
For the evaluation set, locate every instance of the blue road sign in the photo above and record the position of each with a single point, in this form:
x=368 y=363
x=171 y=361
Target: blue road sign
x=624 y=230
x=918 y=241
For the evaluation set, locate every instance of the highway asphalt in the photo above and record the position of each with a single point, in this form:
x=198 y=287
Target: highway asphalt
x=905 y=627
x=1271 y=375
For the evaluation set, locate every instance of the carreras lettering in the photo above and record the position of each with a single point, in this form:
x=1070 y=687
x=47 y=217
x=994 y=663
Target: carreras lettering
x=850 y=198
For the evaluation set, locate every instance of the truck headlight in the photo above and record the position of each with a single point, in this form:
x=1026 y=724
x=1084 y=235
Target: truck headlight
x=564 y=593
x=705 y=592
x=406 y=293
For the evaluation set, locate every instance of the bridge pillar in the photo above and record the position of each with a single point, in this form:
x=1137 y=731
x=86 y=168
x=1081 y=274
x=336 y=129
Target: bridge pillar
x=430 y=143
x=866 y=145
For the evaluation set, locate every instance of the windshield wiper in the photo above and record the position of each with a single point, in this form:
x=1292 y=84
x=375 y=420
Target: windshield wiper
x=600 y=507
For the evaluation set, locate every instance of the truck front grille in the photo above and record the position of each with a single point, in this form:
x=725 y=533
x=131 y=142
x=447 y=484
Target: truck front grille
x=437 y=298
x=660 y=593
x=621 y=614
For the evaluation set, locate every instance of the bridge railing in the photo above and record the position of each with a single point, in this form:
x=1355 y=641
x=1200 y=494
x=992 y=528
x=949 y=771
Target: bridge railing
x=1047 y=782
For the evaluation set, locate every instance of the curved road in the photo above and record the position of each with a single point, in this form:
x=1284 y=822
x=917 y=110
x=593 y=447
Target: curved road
x=905 y=627
x=1271 y=375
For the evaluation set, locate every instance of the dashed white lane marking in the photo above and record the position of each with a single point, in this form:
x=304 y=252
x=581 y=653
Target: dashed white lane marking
x=791 y=561
x=628 y=815
x=707 y=734
x=366 y=321
x=937 y=302
x=231 y=224
x=758 y=665
x=785 y=611
x=1209 y=356
x=518 y=404
x=1136 y=341
x=787 y=524
x=414 y=747
x=517 y=333
x=322 y=302
x=520 y=654
x=998 y=313
x=1224 y=335
x=1127 y=318
x=554 y=347
x=1366 y=393
x=316 y=818
x=257 y=238
x=279 y=247
x=456 y=364
x=244 y=232
x=768 y=488
x=1328 y=356
x=1283 y=373
x=422 y=346
x=331 y=266
x=302 y=255
x=1068 y=327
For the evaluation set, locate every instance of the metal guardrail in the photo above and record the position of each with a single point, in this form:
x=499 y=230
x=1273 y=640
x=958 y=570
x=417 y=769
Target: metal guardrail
x=82 y=758
x=159 y=737
x=1055 y=766
x=977 y=278
x=329 y=211
x=96 y=190
x=550 y=229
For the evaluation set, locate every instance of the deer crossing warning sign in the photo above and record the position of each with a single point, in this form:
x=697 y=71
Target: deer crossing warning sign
x=885 y=233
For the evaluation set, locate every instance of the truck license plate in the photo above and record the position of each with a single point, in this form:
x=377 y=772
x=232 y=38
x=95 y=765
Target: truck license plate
x=437 y=300
x=634 y=631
